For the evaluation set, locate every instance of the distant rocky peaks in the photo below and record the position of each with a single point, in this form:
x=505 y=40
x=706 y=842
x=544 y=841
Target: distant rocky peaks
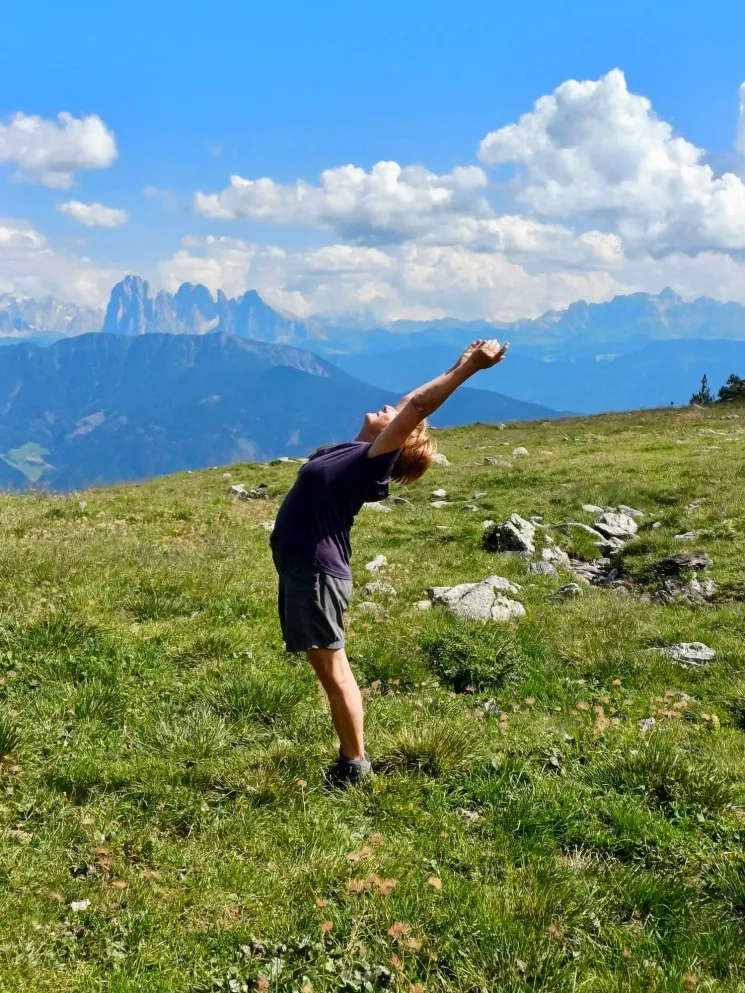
x=192 y=309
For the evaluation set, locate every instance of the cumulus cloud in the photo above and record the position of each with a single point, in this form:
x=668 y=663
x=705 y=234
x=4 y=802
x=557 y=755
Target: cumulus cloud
x=50 y=152
x=594 y=150
x=31 y=266
x=390 y=205
x=426 y=282
x=387 y=204
x=93 y=215
x=381 y=284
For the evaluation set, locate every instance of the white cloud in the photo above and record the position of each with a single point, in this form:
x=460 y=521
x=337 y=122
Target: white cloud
x=425 y=282
x=93 y=215
x=390 y=204
x=51 y=151
x=31 y=266
x=740 y=135
x=594 y=150
x=387 y=204
x=402 y=281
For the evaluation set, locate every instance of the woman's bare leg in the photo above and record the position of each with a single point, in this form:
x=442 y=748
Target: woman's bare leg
x=333 y=670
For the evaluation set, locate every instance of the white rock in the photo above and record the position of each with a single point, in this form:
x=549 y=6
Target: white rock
x=423 y=605
x=647 y=724
x=376 y=563
x=688 y=536
x=439 y=494
x=541 y=568
x=479 y=601
x=438 y=504
x=226 y=475
x=379 y=507
x=480 y=495
x=567 y=592
x=470 y=508
x=501 y=427
x=616 y=526
x=592 y=508
x=238 y=490
x=487 y=524
x=691 y=654
x=440 y=459
x=513 y=535
x=629 y=511
x=555 y=556
x=520 y=451
x=657 y=525
x=265 y=526
x=78 y=906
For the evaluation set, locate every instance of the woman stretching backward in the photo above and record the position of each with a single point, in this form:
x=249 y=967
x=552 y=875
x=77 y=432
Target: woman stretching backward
x=311 y=547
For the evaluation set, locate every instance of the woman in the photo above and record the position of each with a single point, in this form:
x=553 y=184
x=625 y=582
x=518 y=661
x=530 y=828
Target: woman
x=311 y=548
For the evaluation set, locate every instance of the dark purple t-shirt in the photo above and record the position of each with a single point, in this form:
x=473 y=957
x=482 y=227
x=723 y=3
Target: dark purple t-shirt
x=316 y=516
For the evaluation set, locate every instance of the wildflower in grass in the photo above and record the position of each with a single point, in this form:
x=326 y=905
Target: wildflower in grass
x=414 y=944
x=435 y=883
x=262 y=984
x=150 y=874
x=301 y=783
x=396 y=962
x=327 y=926
x=583 y=705
x=376 y=839
x=398 y=929
x=119 y=884
x=363 y=853
x=321 y=902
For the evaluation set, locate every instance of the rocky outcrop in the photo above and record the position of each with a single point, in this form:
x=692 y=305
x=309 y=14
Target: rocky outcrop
x=484 y=601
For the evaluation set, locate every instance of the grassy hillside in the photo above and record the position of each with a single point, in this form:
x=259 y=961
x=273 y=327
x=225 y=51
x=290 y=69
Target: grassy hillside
x=163 y=824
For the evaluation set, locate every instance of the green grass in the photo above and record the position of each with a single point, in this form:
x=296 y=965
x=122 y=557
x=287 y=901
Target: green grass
x=162 y=758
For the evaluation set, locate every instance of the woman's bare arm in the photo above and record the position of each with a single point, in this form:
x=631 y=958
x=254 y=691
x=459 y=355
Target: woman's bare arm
x=425 y=400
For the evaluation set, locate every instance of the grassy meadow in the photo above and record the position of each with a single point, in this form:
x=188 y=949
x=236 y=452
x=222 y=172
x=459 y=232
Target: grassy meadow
x=164 y=826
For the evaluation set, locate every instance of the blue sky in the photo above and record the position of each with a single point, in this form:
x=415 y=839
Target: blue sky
x=196 y=93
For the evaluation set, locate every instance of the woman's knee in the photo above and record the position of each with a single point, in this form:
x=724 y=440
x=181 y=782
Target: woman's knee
x=332 y=667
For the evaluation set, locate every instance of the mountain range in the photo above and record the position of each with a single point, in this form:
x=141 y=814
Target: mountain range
x=166 y=381
x=102 y=408
x=133 y=310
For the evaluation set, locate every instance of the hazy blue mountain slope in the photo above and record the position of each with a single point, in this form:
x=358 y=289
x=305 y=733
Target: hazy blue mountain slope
x=655 y=375
x=100 y=408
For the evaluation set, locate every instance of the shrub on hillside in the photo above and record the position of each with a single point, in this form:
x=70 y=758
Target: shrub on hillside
x=733 y=389
x=468 y=656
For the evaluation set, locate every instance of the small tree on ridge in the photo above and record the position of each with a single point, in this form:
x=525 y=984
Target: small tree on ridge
x=703 y=397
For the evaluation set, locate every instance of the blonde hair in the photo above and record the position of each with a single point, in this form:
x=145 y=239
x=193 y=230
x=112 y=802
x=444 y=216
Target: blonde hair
x=416 y=455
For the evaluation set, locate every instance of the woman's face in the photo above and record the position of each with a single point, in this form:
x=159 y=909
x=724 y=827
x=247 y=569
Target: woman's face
x=377 y=421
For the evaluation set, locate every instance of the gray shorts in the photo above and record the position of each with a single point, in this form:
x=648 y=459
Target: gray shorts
x=311 y=606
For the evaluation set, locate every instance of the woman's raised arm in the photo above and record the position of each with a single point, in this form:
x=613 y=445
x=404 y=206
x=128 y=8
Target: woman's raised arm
x=425 y=400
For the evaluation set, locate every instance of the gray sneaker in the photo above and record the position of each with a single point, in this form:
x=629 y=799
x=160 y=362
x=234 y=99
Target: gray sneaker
x=345 y=771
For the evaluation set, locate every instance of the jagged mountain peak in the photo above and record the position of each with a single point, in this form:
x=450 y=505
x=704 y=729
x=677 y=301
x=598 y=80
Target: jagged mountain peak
x=192 y=309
